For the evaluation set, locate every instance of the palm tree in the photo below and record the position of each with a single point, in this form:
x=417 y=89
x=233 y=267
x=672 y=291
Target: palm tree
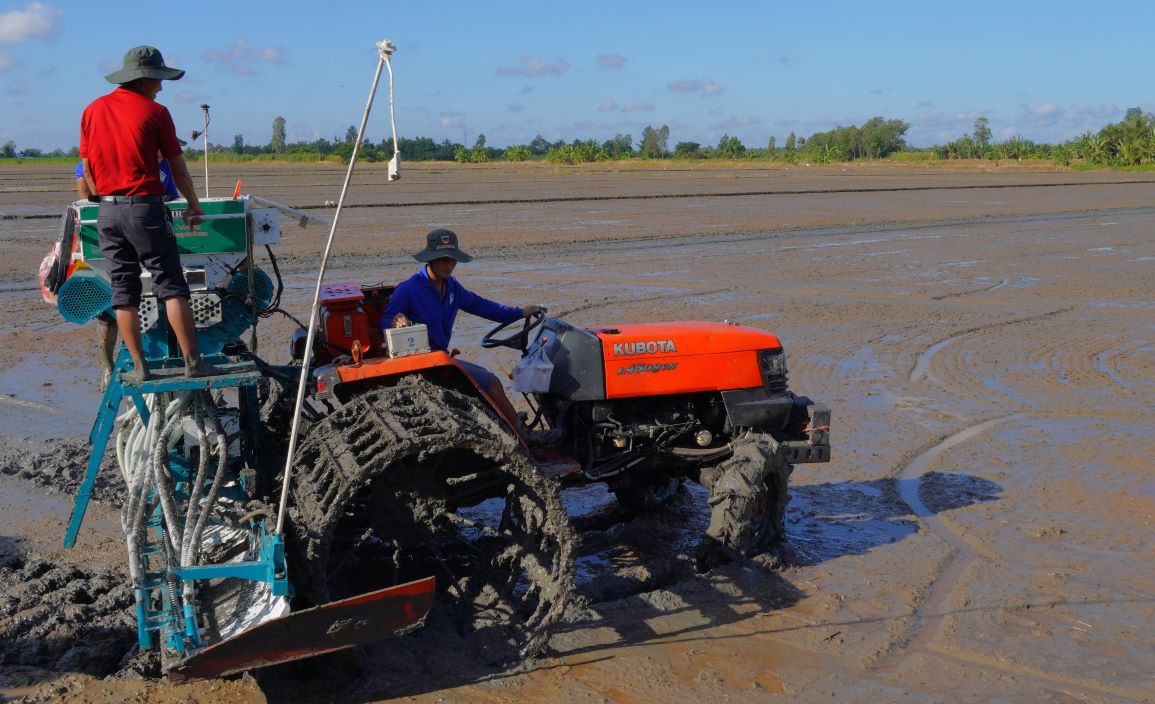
x=1128 y=151
x=1100 y=151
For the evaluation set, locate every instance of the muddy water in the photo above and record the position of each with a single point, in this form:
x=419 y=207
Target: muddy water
x=982 y=533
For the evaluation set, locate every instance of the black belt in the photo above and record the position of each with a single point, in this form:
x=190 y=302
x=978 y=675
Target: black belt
x=126 y=199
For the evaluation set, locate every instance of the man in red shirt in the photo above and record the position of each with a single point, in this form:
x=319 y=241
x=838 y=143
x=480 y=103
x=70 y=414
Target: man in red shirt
x=121 y=136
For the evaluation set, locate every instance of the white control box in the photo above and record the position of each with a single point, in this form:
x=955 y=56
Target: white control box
x=403 y=342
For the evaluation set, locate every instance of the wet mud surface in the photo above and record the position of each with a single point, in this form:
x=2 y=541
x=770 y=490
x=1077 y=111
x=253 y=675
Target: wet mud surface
x=986 y=341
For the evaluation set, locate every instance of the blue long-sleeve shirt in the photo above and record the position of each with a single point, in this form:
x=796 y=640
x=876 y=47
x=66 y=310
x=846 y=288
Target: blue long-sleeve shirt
x=420 y=300
x=166 y=178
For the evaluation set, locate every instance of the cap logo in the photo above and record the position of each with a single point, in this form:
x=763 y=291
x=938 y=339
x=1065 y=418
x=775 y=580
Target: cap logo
x=445 y=239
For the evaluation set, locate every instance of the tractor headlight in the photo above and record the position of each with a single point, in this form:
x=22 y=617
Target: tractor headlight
x=772 y=364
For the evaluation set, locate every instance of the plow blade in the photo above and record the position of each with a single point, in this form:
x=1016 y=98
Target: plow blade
x=362 y=619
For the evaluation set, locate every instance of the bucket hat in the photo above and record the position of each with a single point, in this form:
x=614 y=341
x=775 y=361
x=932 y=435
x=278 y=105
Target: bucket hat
x=441 y=243
x=144 y=62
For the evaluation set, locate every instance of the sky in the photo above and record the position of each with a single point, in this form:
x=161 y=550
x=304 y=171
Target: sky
x=1044 y=71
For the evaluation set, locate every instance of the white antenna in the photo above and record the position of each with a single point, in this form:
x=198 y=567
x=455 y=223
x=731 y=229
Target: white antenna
x=385 y=49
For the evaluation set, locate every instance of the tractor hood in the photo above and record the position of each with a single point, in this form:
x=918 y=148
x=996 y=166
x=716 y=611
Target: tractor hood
x=681 y=357
x=625 y=342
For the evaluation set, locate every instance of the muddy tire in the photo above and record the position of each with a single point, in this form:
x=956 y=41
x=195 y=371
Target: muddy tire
x=748 y=496
x=418 y=480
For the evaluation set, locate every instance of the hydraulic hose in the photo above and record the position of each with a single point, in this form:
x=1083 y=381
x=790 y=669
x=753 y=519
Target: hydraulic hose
x=191 y=511
x=222 y=464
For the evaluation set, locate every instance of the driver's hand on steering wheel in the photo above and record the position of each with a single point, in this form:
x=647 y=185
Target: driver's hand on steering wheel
x=532 y=309
x=401 y=321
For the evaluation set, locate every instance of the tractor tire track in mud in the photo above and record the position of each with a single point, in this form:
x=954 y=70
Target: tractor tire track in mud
x=922 y=370
x=58 y=617
x=406 y=464
x=960 y=294
x=1102 y=370
x=963 y=553
x=62 y=468
x=634 y=300
x=935 y=607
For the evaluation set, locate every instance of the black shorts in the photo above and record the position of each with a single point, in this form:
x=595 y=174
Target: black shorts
x=140 y=234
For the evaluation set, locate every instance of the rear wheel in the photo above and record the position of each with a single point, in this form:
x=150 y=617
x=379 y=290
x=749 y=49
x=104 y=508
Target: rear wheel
x=748 y=496
x=417 y=480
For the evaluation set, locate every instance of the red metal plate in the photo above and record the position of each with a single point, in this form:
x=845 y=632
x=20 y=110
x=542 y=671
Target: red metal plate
x=358 y=620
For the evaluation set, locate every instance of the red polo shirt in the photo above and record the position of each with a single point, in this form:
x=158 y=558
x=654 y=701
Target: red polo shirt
x=120 y=134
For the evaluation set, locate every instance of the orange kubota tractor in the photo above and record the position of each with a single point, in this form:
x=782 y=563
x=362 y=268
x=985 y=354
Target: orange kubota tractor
x=403 y=447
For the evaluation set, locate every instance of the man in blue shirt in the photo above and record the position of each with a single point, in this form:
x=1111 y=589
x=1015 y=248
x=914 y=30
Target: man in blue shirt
x=432 y=296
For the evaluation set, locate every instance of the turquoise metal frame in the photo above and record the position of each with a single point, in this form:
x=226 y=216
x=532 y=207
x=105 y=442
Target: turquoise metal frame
x=158 y=585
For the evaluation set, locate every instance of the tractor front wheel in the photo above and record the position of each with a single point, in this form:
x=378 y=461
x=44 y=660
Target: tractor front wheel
x=748 y=496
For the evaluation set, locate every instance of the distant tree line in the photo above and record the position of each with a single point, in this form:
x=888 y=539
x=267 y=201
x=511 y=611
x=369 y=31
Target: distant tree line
x=1130 y=142
x=8 y=150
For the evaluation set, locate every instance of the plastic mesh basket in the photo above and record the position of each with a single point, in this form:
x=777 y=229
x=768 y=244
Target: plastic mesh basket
x=83 y=296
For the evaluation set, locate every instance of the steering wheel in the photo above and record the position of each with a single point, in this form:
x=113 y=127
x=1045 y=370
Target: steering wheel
x=520 y=339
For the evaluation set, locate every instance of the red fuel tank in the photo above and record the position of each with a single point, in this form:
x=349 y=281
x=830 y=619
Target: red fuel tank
x=343 y=317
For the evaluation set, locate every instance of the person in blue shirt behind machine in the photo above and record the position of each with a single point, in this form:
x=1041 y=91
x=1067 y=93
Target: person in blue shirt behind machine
x=433 y=296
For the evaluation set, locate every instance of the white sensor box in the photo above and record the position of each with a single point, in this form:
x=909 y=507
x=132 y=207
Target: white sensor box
x=403 y=342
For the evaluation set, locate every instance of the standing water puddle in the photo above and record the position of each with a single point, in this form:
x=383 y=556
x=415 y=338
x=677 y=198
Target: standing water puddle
x=49 y=395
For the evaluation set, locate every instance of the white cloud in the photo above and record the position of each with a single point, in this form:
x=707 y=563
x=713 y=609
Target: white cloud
x=1106 y=111
x=451 y=120
x=611 y=61
x=301 y=132
x=1046 y=111
x=35 y=20
x=705 y=86
x=8 y=62
x=733 y=123
x=532 y=67
x=637 y=106
x=515 y=107
x=1039 y=121
x=971 y=115
x=607 y=105
x=239 y=59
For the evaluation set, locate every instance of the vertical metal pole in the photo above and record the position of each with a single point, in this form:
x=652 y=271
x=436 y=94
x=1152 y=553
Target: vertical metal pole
x=303 y=382
x=205 y=109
